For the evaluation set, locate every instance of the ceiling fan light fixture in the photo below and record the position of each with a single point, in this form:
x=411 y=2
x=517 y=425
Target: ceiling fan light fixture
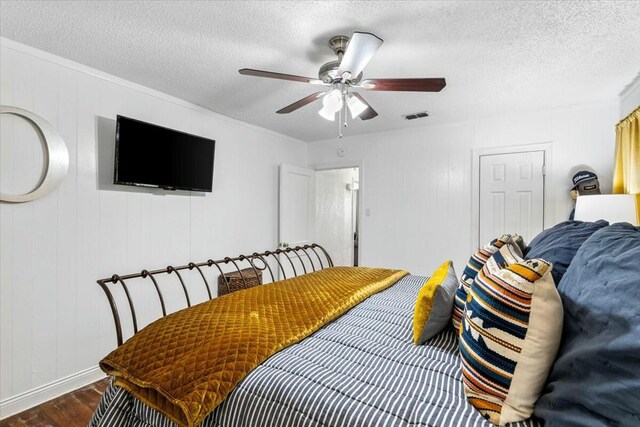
x=356 y=106
x=332 y=101
x=326 y=113
x=339 y=76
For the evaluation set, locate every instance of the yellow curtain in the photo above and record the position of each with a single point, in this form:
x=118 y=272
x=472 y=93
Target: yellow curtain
x=626 y=169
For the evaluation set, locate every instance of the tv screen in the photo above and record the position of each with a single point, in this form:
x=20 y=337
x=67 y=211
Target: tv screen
x=153 y=156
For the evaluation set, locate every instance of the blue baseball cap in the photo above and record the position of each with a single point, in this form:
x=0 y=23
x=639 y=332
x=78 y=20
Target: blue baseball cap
x=586 y=182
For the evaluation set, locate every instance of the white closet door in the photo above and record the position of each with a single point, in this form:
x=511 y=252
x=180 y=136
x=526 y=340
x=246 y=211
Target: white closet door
x=511 y=195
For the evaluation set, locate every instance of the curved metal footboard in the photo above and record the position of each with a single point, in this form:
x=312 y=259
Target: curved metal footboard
x=297 y=260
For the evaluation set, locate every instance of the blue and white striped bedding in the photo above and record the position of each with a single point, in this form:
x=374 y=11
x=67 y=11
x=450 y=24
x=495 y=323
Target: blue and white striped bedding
x=360 y=370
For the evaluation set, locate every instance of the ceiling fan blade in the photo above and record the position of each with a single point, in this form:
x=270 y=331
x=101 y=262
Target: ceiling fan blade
x=367 y=114
x=301 y=103
x=404 y=85
x=360 y=50
x=272 y=75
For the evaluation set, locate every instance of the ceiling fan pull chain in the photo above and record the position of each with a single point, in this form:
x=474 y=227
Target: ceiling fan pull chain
x=346 y=118
x=340 y=123
x=344 y=105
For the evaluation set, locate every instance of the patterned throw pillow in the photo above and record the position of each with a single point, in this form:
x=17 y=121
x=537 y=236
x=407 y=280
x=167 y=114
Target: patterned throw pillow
x=476 y=262
x=434 y=303
x=511 y=332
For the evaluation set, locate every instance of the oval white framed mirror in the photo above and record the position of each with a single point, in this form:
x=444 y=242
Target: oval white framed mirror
x=56 y=161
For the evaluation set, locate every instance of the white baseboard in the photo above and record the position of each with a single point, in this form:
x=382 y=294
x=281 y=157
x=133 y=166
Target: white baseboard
x=23 y=401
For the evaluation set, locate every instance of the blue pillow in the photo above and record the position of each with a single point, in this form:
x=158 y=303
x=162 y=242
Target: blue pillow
x=595 y=380
x=559 y=244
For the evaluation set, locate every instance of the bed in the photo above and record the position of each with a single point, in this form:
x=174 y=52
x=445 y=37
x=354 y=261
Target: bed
x=361 y=368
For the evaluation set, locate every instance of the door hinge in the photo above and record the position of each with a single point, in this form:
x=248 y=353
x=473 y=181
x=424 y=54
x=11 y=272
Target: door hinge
x=544 y=170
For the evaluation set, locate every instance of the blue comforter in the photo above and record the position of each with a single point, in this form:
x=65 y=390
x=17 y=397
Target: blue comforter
x=595 y=380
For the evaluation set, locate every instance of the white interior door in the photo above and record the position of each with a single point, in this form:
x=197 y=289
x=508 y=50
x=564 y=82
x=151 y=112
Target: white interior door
x=297 y=214
x=511 y=195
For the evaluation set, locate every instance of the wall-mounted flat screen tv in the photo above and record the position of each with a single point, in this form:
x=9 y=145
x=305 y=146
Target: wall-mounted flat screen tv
x=154 y=156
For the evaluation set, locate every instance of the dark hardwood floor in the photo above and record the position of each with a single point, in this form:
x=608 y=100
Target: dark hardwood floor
x=69 y=410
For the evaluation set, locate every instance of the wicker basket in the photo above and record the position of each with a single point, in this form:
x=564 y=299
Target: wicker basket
x=236 y=283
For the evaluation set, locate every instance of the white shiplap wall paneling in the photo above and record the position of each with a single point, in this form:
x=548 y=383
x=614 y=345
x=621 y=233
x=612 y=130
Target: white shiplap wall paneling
x=56 y=323
x=417 y=182
x=45 y=234
x=67 y=245
x=630 y=97
x=6 y=225
x=22 y=236
x=6 y=228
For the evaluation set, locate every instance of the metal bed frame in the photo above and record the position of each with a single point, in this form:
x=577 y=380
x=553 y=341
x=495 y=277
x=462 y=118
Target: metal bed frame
x=256 y=261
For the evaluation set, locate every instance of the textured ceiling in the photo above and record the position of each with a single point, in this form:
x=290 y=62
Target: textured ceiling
x=496 y=56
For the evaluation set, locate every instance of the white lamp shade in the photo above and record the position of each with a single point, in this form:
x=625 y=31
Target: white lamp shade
x=610 y=207
x=356 y=107
x=327 y=113
x=332 y=101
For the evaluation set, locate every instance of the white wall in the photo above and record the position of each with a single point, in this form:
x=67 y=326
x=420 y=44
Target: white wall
x=334 y=224
x=416 y=183
x=55 y=320
x=630 y=98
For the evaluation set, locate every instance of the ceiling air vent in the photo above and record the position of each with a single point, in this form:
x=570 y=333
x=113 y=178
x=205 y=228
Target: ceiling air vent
x=414 y=116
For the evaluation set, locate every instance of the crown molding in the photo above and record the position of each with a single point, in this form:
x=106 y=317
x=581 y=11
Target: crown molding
x=67 y=63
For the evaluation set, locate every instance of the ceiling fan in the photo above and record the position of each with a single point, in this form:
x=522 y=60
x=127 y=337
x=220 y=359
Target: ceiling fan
x=340 y=77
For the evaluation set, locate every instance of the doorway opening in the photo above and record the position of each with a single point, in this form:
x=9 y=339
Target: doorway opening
x=337 y=209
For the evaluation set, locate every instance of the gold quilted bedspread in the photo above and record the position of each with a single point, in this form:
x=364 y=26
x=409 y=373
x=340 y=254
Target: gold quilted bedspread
x=185 y=364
